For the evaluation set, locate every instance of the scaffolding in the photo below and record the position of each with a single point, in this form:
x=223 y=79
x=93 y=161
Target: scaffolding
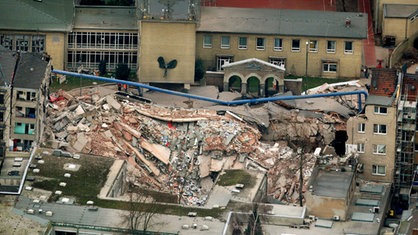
x=405 y=144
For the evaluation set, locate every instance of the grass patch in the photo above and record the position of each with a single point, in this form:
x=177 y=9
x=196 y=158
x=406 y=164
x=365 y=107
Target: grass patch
x=85 y=185
x=232 y=177
x=71 y=83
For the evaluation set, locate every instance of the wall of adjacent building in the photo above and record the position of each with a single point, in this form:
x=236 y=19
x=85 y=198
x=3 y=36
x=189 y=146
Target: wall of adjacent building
x=378 y=11
x=55 y=46
x=349 y=65
x=368 y=138
x=171 y=40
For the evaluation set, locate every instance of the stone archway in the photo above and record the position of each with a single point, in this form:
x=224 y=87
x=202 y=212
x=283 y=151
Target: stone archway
x=235 y=83
x=253 y=86
x=271 y=86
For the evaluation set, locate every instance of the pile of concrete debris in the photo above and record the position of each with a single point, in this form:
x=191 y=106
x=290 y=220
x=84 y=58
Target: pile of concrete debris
x=172 y=149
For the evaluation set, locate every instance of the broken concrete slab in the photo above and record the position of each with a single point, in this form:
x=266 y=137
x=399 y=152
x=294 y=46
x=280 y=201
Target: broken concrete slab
x=160 y=152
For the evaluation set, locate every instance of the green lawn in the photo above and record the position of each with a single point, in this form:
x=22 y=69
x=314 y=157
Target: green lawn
x=233 y=177
x=72 y=83
x=85 y=184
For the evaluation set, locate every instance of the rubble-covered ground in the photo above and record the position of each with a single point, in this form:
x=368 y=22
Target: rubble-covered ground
x=172 y=149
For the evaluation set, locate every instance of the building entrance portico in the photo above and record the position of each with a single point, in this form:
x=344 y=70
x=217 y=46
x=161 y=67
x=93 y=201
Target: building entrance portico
x=254 y=78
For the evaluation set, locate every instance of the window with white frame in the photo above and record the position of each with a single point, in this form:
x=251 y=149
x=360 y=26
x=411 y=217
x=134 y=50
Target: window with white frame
x=378 y=170
x=313 y=46
x=379 y=149
x=329 y=67
x=348 y=47
x=242 y=43
x=278 y=44
x=331 y=46
x=225 y=42
x=277 y=61
x=295 y=45
x=207 y=41
x=221 y=60
x=379 y=129
x=360 y=147
x=260 y=43
x=380 y=110
x=361 y=127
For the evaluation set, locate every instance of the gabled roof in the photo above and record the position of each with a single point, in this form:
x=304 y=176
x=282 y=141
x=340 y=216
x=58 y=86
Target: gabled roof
x=99 y=17
x=45 y=15
x=399 y=10
x=246 y=61
x=7 y=65
x=283 y=22
x=30 y=71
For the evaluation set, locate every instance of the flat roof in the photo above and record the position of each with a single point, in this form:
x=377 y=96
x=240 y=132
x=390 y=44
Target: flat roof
x=283 y=22
x=399 y=10
x=332 y=183
x=379 y=100
x=122 y=18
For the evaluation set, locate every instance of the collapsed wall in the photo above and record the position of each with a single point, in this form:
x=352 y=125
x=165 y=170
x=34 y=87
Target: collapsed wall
x=173 y=149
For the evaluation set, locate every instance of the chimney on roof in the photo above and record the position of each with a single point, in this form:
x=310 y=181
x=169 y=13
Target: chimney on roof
x=347 y=22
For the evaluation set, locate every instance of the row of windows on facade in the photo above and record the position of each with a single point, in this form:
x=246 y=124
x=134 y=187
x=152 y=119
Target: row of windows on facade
x=18 y=42
x=330 y=67
x=260 y=44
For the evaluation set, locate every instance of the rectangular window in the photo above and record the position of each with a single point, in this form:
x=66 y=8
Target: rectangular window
x=379 y=129
x=295 y=45
x=331 y=46
x=378 y=170
x=360 y=147
x=278 y=44
x=348 y=47
x=329 y=67
x=380 y=110
x=361 y=127
x=242 y=44
x=221 y=60
x=313 y=46
x=260 y=44
x=379 y=149
x=225 y=42
x=207 y=41
x=278 y=61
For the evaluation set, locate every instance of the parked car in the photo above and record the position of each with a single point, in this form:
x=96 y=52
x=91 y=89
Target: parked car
x=13 y=173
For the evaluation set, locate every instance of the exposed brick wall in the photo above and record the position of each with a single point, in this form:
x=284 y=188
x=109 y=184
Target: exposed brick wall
x=383 y=82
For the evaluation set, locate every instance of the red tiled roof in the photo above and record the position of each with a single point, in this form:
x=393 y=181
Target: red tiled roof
x=383 y=82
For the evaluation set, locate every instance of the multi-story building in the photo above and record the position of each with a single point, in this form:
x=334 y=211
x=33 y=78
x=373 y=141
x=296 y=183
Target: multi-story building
x=151 y=34
x=374 y=130
x=23 y=98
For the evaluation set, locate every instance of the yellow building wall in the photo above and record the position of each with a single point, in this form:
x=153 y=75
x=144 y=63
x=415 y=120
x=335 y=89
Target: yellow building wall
x=349 y=65
x=171 y=40
x=379 y=9
x=55 y=47
x=369 y=139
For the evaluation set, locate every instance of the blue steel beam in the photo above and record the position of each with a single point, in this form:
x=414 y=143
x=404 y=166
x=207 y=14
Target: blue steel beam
x=227 y=103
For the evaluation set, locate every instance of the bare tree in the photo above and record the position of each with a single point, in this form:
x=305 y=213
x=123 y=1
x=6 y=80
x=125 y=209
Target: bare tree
x=254 y=223
x=141 y=210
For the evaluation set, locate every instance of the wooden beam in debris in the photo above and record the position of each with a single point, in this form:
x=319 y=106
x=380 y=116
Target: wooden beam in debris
x=162 y=153
x=141 y=157
x=129 y=129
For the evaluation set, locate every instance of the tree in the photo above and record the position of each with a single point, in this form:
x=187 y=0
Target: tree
x=102 y=67
x=141 y=210
x=122 y=72
x=254 y=224
x=199 y=70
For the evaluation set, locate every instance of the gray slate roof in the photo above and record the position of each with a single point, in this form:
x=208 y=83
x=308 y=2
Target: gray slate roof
x=45 y=15
x=283 y=22
x=399 y=10
x=7 y=64
x=96 y=17
x=30 y=71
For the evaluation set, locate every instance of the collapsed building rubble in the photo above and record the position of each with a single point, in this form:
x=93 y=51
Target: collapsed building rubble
x=173 y=149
